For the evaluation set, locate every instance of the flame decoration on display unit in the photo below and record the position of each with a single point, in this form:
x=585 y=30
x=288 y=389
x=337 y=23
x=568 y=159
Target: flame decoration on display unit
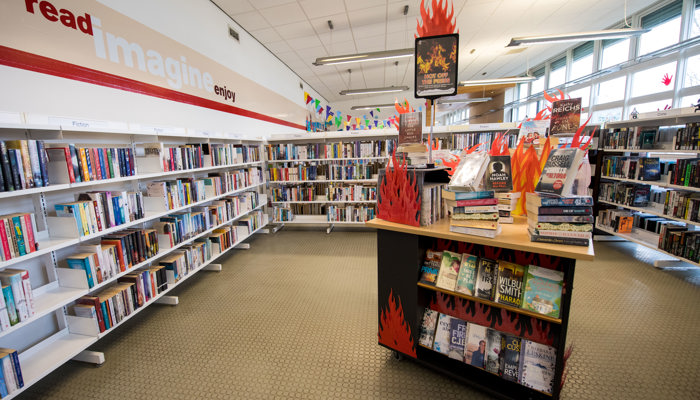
x=394 y=331
x=440 y=23
x=399 y=201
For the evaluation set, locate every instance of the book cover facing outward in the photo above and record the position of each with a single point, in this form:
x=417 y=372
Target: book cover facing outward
x=511 y=357
x=543 y=291
x=449 y=270
x=475 y=349
x=510 y=283
x=566 y=116
x=494 y=355
x=431 y=267
x=537 y=363
x=458 y=338
x=485 y=284
x=498 y=174
x=427 y=329
x=467 y=275
x=559 y=172
x=443 y=334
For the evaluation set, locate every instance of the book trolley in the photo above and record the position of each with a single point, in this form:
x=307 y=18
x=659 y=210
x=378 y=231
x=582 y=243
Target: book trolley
x=402 y=299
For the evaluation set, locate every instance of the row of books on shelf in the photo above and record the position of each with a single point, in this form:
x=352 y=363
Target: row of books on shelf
x=680 y=241
x=94 y=212
x=17 y=300
x=70 y=164
x=468 y=140
x=640 y=168
x=282 y=214
x=513 y=358
x=198 y=155
x=353 y=149
x=24 y=165
x=632 y=138
x=531 y=287
x=559 y=220
x=329 y=192
x=17 y=235
x=122 y=251
x=350 y=213
x=11 y=379
x=672 y=203
x=432 y=207
x=357 y=170
x=688 y=137
x=629 y=194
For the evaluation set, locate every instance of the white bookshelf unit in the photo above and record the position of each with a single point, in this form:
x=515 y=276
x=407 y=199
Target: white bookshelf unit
x=676 y=143
x=328 y=178
x=233 y=182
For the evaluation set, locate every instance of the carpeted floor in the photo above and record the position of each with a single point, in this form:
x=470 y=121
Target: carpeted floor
x=295 y=317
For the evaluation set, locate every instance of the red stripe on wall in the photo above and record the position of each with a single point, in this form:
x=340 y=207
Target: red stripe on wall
x=32 y=62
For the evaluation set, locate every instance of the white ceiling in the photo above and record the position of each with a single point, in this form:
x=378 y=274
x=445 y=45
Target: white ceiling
x=297 y=32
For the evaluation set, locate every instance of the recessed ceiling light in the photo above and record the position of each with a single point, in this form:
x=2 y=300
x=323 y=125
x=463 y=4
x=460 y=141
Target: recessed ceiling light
x=388 y=89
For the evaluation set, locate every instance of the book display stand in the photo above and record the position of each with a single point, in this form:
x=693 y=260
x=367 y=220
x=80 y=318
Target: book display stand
x=402 y=298
x=226 y=170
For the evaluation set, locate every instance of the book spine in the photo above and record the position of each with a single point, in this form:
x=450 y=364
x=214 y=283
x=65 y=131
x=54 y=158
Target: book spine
x=95 y=164
x=43 y=162
x=5 y=243
x=19 y=237
x=16 y=167
x=35 y=163
x=565 y=211
x=83 y=160
x=10 y=377
x=74 y=165
x=559 y=240
x=27 y=164
x=18 y=369
x=7 y=173
x=28 y=293
x=10 y=302
x=29 y=233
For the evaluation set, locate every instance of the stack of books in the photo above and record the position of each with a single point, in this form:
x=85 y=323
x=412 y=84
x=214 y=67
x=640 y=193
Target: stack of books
x=506 y=206
x=472 y=213
x=560 y=220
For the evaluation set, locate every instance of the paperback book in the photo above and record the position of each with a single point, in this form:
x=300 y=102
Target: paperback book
x=431 y=267
x=449 y=270
x=498 y=175
x=475 y=349
x=537 y=363
x=467 y=274
x=511 y=357
x=559 y=172
x=510 y=283
x=485 y=278
x=543 y=291
x=427 y=329
x=443 y=334
x=458 y=338
x=494 y=355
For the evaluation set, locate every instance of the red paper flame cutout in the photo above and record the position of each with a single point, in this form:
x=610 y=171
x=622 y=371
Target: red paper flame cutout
x=666 y=80
x=399 y=195
x=499 y=147
x=546 y=113
x=440 y=23
x=451 y=164
x=394 y=332
x=473 y=148
x=402 y=108
x=565 y=371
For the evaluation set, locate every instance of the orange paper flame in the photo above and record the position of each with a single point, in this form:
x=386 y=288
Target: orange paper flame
x=440 y=23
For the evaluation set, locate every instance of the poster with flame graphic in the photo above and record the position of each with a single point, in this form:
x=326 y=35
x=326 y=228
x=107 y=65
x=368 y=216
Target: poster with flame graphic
x=436 y=66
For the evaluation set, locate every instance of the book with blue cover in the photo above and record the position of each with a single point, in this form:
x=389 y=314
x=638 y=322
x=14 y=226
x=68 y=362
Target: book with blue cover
x=443 y=334
x=81 y=261
x=467 y=274
x=542 y=293
x=458 y=339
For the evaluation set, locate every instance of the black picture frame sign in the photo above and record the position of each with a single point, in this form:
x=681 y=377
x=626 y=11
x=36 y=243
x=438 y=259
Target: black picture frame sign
x=436 y=67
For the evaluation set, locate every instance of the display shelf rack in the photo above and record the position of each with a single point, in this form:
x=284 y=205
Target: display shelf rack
x=324 y=202
x=52 y=296
x=641 y=240
x=349 y=135
x=654 y=183
x=491 y=303
x=329 y=181
x=328 y=159
x=663 y=150
x=649 y=210
x=666 y=120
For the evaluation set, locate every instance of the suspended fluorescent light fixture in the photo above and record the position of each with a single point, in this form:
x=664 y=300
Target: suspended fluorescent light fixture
x=388 y=89
x=578 y=37
x=498 y=81
x=373 y=106
x=465 y=101
x=361 y=57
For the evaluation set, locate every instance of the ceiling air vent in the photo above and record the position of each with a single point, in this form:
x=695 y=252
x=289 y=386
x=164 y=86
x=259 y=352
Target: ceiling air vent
x=233 y=34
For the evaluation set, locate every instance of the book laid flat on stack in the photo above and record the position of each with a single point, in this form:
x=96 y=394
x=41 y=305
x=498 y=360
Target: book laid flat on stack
x=573 y=222
x=507 y=202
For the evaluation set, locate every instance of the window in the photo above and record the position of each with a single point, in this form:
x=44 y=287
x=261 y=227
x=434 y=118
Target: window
x=522 y=91
x=692 y=71
x=651 y=106
x=532 y=109
x=654 y=80
x=582 y=63
x=538 y=84
x=557 y=75
x=602 y=116
x=615 y=51
x=612 y=90
x=584 y=94
x=689 y=101
x=665 y=24
x=522 y=113
x=695 y=23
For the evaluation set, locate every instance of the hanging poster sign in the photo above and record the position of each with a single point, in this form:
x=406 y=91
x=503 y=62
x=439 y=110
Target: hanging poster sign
x=566 y=116
x=410 y=128
x=436 y=66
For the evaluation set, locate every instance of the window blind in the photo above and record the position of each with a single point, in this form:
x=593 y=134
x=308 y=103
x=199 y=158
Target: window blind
x=663 y=14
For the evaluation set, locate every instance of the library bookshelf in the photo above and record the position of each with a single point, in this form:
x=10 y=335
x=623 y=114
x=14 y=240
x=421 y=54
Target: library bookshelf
x=402 y=298
x=52 y=336
x=674 y=141
x=326 y=179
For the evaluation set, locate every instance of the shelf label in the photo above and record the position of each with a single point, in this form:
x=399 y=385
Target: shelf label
x=160 y=130
x=7 y=117
x=72 y=123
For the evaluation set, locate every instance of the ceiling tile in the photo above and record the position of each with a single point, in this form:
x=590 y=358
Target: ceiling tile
x=251 y=21
x=233 y=7
x=295 y=30
x=346 y=47
x=278 y=47
x=310 y=54
x=340 y=23
x=322 y=8
x=304 y=43
x=367 y=16
x=284 y=14
x=369 y=30
x=260 y=4
x=266 y=35
x=363 y=4
x=375 y=43
x=400 y=40
x=337 y=37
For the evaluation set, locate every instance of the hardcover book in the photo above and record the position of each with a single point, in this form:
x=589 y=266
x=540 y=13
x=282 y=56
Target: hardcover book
x=494 y=355
x=559 y=172
x=510 y=283
x=650 y=169
x=431 y=267
x=458 y=338
x=536 y=200
x=469 y=174
x=455 y=195
x=543 y=291
x=443 y=334
x=475 y=223
x=489 y=233
x=566 y=116
x=583 y=219
x=467 y=274
x=475 y=349
x=427 y=328
x=485 y=278
x=498 y=174
x=511 y=357
x=534 y=237
x=537 y=363
x=449 y=270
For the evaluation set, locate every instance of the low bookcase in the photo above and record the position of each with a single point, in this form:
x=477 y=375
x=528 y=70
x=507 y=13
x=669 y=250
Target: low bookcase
x=402 y=300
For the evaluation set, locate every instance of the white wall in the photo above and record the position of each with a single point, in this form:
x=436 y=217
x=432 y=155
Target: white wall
x=197 y=24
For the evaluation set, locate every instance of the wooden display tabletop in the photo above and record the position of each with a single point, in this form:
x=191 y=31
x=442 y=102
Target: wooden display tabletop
x=513 y=236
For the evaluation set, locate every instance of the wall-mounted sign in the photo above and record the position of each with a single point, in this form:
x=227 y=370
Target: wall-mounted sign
x=436 y=66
